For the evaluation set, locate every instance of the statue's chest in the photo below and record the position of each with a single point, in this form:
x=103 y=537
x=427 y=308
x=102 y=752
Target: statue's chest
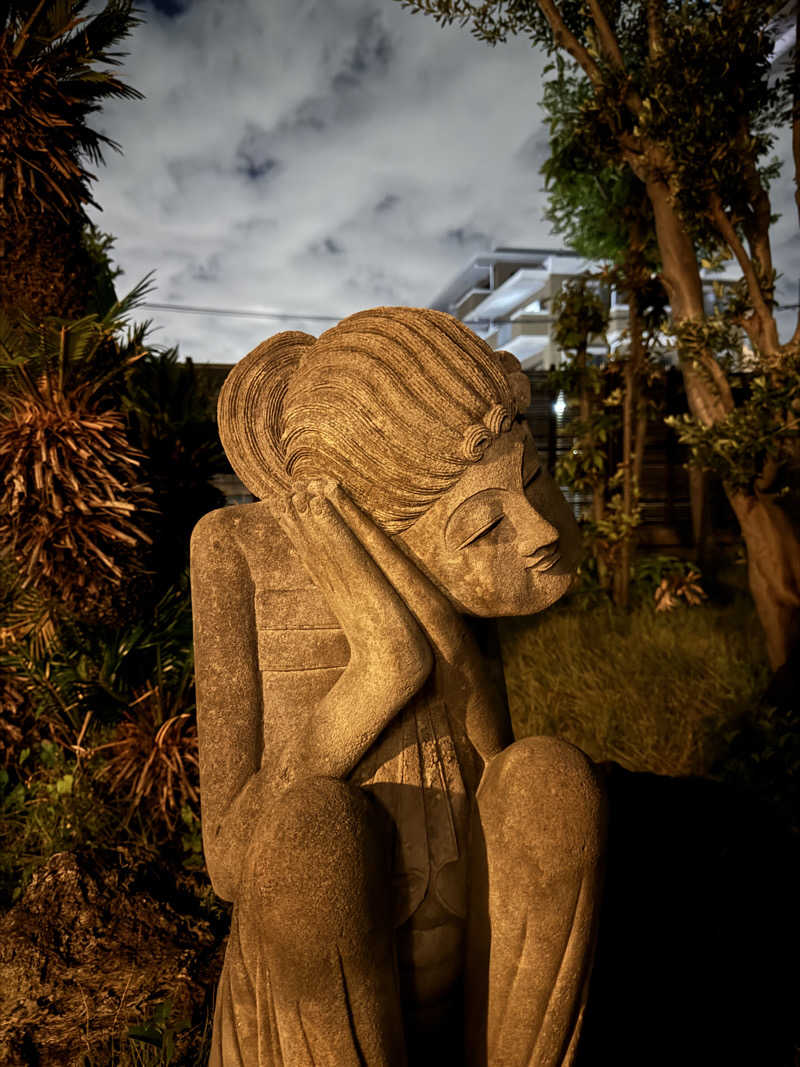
x=302 y=650
x=298 y=631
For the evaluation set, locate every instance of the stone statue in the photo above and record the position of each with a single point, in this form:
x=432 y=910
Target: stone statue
x=409 y=885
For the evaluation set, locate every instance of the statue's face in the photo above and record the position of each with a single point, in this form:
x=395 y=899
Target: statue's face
x=503 y=540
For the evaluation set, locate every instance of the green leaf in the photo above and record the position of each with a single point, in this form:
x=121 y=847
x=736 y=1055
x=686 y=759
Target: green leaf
x=64 y=784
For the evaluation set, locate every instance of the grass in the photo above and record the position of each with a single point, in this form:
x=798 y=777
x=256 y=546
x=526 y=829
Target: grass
x=659 y=692
x=154 y=1043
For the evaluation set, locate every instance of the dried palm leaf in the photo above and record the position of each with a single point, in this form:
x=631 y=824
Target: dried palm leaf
x=153 y=758
x=67 y=496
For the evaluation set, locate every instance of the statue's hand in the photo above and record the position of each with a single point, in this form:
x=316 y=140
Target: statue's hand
x=440 y=620
x=460 y=668
x=383 y=634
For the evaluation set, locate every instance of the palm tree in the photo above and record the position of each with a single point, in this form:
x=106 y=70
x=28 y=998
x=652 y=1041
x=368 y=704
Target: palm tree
x=72 y=494
x=49 y=86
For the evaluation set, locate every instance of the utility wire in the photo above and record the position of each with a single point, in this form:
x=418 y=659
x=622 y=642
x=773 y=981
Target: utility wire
x=239 y=313
x=286 y=316
x=283 y=315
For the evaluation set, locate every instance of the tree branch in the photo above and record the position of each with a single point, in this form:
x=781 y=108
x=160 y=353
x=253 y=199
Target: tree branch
x=608 y=41
x=569 y=42
x=22 y=37
x=655 y=39
x=767 y=338
x=756 y=227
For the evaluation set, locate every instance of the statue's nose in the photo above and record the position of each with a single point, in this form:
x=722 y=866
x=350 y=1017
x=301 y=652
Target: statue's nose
x=533 y=531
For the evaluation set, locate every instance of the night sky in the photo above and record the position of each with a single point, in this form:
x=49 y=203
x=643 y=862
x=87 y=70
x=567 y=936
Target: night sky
x=316 y=157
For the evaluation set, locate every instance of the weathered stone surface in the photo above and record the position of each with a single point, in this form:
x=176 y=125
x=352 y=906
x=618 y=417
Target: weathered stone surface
x=409 y=885
x=86 y=950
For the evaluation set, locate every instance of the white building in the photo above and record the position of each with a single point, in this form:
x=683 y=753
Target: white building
x=506 y=297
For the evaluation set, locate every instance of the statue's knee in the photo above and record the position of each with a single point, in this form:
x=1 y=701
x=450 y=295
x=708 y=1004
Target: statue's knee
x=317 y=856
x=541 y=792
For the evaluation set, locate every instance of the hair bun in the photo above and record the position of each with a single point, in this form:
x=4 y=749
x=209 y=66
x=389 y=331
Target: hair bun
x=475 y=442
x=497 y=420
x=250 y=411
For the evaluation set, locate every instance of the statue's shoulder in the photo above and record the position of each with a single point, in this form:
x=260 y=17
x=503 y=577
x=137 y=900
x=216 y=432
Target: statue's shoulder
x=236 y=525
x=249 y=531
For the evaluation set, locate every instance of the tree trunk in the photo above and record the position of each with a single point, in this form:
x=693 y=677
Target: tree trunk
x=598 y=501
x=638 y=448
x=773 y=570
x=773 y=549
x=44 y=266
x=633 y=367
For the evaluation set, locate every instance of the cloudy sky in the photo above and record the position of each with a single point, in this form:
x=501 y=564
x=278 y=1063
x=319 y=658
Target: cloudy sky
x=316 y=157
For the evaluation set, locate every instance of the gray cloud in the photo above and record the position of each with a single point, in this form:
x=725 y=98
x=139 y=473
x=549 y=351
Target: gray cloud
x=386 y=203
x=254 y=153
x=370 y=55
x=465 y=237
x=320 y=156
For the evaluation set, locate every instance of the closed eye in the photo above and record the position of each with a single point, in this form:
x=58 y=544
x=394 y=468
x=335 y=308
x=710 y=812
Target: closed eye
x=490 y=525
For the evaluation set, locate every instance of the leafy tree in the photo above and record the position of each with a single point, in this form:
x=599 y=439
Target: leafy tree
x=581 y=316
x=605 y=214
x=103 y=294
x=682 y=95
x=51 y=82
x=605 y=392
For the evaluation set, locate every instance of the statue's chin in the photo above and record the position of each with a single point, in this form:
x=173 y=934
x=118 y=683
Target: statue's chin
x=543 y=591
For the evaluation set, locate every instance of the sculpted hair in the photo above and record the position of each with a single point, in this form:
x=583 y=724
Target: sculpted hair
x=394 y=403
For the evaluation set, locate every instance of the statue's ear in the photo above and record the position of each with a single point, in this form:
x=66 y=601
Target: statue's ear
x=518 y=380
x=250 y=411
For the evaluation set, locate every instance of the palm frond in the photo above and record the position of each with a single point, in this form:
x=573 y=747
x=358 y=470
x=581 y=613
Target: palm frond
x=28 y=618
x=86 y=354
x=153 y=758
x=49 y=85
x=119 y=314
x=69 y=494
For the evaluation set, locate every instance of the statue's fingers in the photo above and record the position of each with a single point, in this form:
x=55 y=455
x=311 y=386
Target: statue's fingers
x=389 y=557
x=368 y=533
x=432 y=609
x=356 y=576
x=310 y=548
x=319 y=486
x=333 y=549
x=346 y=554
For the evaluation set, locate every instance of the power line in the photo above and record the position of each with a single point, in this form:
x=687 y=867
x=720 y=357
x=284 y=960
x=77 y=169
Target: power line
x=283 y=315
x=242 y=313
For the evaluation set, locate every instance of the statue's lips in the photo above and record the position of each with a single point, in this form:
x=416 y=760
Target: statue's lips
x=544 y=563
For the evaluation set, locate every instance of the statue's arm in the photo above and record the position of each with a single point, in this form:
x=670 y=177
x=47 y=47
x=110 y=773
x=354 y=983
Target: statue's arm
x=390 y=657
x=486 y=717
x=233 y=788
x=389 y=661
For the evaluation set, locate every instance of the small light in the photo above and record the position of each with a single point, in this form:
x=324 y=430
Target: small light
x=559 y=405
